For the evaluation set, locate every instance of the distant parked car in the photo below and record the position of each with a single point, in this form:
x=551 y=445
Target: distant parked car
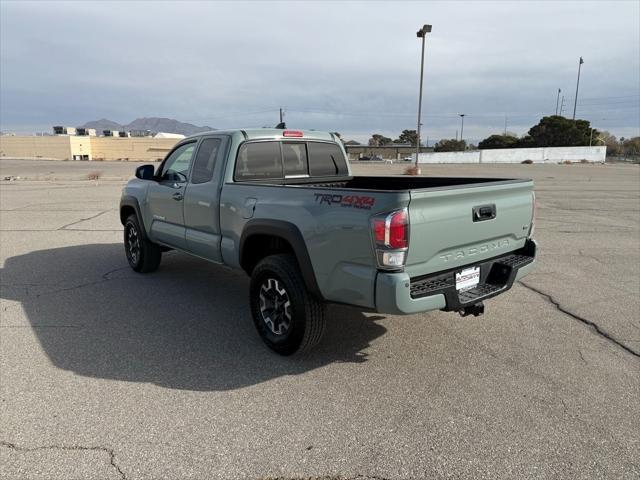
x=408 y=159
x=376 y=158
x=364 y=158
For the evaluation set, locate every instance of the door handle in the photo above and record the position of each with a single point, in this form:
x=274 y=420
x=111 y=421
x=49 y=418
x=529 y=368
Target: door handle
x=177 y=196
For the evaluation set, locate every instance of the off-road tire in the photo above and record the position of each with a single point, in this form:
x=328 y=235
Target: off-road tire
x=307 y=313
x=146 y=258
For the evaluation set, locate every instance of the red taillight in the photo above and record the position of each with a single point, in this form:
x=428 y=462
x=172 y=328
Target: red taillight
x=398 y=231
x=379 y=230
x=391 y=238
x=292 y=133
x=391 y=230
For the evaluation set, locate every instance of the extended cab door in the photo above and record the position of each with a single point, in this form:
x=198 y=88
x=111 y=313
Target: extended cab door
x=202 y=199
x=165 y=197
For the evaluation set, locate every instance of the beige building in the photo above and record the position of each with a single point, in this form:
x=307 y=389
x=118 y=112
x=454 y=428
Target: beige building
x=69 y=147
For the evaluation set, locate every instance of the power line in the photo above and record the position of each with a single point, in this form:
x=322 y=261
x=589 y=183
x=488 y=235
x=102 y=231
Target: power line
x=603 y=98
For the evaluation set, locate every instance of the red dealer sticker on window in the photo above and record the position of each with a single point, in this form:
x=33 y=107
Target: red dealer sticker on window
x=352 y=201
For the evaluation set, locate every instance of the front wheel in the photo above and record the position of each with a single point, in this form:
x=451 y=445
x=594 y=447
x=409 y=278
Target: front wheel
x=142 y=254
x=288 y=318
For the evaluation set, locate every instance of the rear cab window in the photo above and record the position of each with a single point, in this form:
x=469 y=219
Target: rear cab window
x=326 y=159
x=294 y=157
x=269 y=160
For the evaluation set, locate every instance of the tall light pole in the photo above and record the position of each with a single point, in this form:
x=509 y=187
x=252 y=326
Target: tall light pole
x=558 y=101
x=422 y=33
x=462 y=126
x=575 y=101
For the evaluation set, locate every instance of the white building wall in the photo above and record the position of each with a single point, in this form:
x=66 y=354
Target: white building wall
x=519 y=155
x=471 y=156
x=575 y=154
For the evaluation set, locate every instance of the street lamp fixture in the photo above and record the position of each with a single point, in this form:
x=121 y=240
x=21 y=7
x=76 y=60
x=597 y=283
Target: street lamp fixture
x=462 y=126
x=422 y=33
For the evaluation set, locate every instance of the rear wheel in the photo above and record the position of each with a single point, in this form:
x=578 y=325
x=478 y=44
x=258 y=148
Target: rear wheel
x=288 y=318
x=142 y=254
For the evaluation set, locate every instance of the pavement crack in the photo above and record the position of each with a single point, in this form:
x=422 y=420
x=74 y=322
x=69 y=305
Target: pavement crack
x=582 y=357
x=70 y=448
x=583 y=320
x=64 y=227
x=106 y=275
x=592 y=257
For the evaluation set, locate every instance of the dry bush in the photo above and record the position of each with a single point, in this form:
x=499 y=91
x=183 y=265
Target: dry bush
x=528 y=162
x=567 y=162
x=94 y=175
x=584 y=160
x=412 y=170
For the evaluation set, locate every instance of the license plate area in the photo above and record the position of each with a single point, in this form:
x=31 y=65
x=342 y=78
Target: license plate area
x=467 y=278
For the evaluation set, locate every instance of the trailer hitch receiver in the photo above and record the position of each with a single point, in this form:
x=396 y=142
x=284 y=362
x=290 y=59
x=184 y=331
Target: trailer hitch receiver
x=476 y=310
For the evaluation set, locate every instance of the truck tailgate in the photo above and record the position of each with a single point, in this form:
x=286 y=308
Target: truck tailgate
x=458 y=226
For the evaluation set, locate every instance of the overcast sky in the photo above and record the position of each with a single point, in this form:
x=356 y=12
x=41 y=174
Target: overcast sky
x=347 y=67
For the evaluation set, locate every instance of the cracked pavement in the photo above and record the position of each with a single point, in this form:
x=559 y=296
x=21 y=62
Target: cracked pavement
x=108 y=374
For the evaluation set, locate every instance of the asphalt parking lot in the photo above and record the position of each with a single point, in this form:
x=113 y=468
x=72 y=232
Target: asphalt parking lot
x=109 y=374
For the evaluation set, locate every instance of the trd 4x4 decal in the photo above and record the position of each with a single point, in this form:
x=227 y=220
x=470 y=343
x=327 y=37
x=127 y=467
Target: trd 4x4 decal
x=354 y=201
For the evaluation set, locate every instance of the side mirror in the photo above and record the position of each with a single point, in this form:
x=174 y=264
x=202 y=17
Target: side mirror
x=145 y=172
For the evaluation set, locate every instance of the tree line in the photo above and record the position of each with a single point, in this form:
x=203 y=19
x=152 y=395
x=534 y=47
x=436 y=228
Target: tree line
x=551 y=131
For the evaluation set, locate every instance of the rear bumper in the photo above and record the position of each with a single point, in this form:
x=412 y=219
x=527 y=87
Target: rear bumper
x=398 y=294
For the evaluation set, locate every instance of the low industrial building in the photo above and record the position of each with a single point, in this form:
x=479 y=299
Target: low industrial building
x=72 y=147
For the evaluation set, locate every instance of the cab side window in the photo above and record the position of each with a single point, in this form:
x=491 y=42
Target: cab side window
x=205 y=160
x=259 y=161
x=176 y=166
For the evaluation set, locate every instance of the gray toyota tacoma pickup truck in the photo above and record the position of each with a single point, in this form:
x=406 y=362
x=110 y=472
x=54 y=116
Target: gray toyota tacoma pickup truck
x=282 y=206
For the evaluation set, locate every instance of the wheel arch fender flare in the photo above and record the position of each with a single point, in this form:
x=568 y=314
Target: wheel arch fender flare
x=292 y=235
x=129 y=201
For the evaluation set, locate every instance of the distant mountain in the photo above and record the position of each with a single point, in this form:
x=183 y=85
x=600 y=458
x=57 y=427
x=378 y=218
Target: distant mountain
x=154 y=124
x=103 y=124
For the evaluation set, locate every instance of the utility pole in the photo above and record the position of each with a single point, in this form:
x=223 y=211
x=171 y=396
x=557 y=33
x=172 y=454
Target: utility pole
x=505 y=125
x=561 y=105
x=575 y=102
x=462 y=126
x=456 y=134
x=557 y=100
x=281 y=115
x=422 y=33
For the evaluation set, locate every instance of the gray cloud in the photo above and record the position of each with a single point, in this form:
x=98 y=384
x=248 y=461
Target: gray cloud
x=351 y=67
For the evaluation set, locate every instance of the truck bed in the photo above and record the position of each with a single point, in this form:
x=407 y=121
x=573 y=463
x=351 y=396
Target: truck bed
x=399 y=183
x=443 y=231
